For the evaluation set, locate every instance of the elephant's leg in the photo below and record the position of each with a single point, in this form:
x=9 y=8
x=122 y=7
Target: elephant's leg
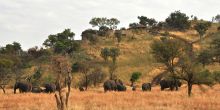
x=20 y=90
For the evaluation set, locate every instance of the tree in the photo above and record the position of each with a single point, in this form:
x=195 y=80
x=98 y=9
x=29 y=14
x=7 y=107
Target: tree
x=134 y=25
x=104 y=22
x=193 y=73
x=202 y=27
x=134 y=77
x=217 y=18
x=148 y=22
x=178 y=20
x=112 y=23
x=62 y=69
x=112 y=69
x=103 y=31
x=105 y=53
x=84 y=68
x=12 y=49
x=118 y=35
x=62 y=42
x=114 y=53
x=99 y=22
x=166 y=51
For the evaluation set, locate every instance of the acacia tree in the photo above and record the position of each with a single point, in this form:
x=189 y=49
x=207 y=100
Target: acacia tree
x=166 y=51
x=62 y=70
x=193 y=73
x=178 y=20
x=84 y=68
x=112 y=23
x=114 y=53
x=11 y=49
x=105 y=53
x=148 y=22
x=201 y=28
x=112 y=69
x=62 y=42
x=104 y=22
x=188 y=70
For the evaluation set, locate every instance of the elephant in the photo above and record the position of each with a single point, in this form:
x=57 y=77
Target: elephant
x=121 y=87
x=36 y=90
x=114 y=85
x=133 y=88
x=165 y=83
x=146 y=87
x=50 y=88
x=23 y=87
x=110 y=85
x=81 y=88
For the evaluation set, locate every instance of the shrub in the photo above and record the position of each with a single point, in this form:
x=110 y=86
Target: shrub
x=216 y=76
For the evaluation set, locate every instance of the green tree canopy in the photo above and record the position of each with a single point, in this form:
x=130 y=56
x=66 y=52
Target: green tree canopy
x=178 y=20
x=111 y=23
x=148 y=22
x=166 y=51
x=62 y=42
x=202 y=27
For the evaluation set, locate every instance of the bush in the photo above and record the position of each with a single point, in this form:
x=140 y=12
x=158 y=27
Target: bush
x=134 y=77
x=204 y=77
x=216 y=76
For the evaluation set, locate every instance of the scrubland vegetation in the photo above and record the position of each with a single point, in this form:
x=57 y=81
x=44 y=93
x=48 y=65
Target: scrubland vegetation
x=180 y=48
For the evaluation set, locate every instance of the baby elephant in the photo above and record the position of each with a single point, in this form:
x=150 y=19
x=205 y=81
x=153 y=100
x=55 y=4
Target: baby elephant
x=146 y=86
x=36 y=90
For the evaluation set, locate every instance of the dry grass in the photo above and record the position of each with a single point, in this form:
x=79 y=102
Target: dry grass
x=95 y=99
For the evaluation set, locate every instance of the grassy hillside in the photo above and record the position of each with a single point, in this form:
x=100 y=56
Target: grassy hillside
x=135 y=53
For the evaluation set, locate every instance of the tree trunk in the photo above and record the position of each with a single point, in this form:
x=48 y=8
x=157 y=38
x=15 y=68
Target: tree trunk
x=3 y=89
x=132 y=83
x=189 y=88
x=86 y=86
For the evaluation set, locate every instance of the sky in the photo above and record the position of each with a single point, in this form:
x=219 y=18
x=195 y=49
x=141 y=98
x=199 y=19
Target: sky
x=29 y=22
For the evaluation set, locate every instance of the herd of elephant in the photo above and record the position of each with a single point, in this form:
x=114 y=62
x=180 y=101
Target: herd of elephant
x=117 y=85
x=27 y=87
x=109 y=85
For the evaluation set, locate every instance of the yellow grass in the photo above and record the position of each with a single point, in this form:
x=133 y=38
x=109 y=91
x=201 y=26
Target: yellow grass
x=203 y=99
